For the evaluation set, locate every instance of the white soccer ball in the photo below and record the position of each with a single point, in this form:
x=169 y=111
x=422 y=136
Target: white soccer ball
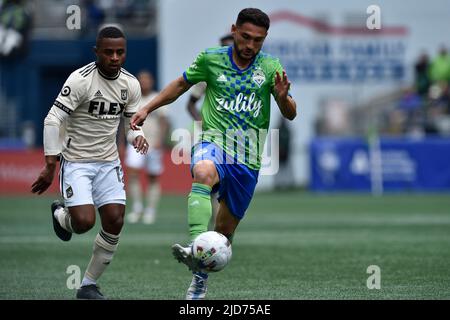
x=212 y=251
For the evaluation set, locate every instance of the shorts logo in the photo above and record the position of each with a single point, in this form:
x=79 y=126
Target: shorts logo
x=124 y=94
x=65 y=91
x=69 y=192
x=258 y=77
x=200 y=152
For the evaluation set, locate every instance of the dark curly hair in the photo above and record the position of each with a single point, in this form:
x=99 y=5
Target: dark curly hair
x=254 y=16
x=110 y=32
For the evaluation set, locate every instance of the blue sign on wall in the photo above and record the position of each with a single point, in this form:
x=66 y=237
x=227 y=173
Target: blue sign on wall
x=403 y=164
x=341 y=60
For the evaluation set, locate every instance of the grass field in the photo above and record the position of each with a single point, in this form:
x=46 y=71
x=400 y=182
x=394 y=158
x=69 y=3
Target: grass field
x=289 y=246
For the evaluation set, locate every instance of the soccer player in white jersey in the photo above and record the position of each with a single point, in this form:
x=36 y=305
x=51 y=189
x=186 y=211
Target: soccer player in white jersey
x=90 y=104
x=155 y=129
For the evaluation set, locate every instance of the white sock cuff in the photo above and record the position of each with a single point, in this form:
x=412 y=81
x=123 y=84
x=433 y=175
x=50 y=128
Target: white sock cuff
x=107 y=240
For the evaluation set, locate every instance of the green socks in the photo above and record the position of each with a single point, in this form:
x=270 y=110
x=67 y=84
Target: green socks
x=199 y=209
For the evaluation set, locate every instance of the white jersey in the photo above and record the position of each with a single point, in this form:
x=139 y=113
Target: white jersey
x=95 y=103
x=198 y=89
x=152 y=125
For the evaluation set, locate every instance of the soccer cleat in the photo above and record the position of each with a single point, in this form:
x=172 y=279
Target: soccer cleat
x=133 y=217
x=184 y=255
x=90 y=292
x=63 y=234
x=197 y=289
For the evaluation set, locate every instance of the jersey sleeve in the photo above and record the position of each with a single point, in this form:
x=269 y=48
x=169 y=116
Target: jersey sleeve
x=197 y=71
x=72 y=93
x=135 y=99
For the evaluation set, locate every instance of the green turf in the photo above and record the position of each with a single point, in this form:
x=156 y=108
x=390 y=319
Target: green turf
x=290 y=246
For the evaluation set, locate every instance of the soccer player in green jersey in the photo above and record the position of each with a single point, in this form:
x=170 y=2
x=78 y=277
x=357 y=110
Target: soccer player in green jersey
x=235 y=112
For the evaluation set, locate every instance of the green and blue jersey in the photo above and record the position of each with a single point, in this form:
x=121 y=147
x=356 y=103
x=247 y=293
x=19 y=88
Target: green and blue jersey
x=237 y=103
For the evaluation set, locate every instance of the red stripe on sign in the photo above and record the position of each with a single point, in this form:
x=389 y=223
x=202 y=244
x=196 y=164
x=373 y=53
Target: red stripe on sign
x=323 y=27
x=19 y=169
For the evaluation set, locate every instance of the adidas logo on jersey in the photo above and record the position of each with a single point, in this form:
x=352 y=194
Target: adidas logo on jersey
x=98 y=94
x=222 y=78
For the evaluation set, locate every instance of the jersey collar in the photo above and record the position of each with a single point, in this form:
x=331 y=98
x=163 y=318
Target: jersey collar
x=108 y=77
x=230 y=55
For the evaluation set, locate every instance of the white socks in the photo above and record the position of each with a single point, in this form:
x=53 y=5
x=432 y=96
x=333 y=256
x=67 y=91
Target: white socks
x=104 y=247
x=136 y=195
x=153 y=196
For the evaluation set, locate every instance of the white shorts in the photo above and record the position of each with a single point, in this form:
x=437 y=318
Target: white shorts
x=96 y=183
x=152 y=161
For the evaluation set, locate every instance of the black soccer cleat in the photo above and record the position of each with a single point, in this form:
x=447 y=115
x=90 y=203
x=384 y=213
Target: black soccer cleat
x=63 y=234
x=90 y=292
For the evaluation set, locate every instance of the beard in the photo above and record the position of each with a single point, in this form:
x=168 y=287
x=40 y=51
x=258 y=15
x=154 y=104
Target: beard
x=239 y=53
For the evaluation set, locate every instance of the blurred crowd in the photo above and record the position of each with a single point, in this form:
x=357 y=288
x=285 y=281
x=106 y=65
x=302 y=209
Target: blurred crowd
x=48 y=17
x=136 y=12
x=15 y=26
x=424 y=108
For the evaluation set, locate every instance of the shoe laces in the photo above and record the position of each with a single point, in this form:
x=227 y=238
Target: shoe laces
x=199 y=286
x=93 y=285
x=200 y=281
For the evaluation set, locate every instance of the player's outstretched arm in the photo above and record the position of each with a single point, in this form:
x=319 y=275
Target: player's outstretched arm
x=287 y=105
x=168 y=95
x=52 y=147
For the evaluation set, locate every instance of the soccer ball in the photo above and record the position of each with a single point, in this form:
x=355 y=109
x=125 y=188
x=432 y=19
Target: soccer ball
x=212 y=250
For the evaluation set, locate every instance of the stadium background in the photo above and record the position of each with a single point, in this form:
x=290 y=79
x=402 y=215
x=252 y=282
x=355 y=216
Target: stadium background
x=365 y=126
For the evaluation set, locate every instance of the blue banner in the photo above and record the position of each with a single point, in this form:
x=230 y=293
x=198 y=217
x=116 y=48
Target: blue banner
x=396 y=164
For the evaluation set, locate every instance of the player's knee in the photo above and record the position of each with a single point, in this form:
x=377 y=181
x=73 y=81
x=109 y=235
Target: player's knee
x=83 y=224
x=114 y=224
x=117 y=223
x=205 y=173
